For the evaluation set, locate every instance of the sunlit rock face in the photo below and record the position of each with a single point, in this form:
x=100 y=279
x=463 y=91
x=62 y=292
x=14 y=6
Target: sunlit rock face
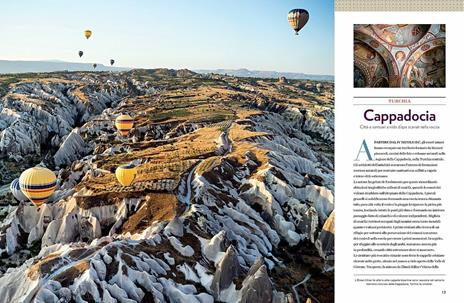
x=233 y=199
x=73 y=148
x=37 y=115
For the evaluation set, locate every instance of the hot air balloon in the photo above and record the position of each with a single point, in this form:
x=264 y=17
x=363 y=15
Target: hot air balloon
x=111 y=62
x=298 y=18
x=37 y=184
x=126 y=174
x=94 y=65
x=80 y=54
x=16 y=191
x=124 y=123
x=87 y=33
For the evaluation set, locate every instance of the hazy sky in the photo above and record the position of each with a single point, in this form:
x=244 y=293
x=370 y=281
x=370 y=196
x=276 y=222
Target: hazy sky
x=193 y=34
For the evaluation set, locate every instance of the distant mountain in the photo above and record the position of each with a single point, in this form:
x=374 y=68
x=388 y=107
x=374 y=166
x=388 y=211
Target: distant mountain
x=243 y=72
x=13 y=67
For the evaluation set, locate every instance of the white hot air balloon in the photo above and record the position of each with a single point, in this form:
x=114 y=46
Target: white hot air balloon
x=16 y=191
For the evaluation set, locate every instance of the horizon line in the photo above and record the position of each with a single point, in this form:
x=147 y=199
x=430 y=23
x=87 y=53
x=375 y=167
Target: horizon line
x=192 y=69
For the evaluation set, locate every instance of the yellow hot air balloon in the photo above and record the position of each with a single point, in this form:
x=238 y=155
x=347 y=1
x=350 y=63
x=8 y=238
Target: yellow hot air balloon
x=124 y=123
x=126 y=174
x=37 y=184
x=298 y=18
x=87 y=33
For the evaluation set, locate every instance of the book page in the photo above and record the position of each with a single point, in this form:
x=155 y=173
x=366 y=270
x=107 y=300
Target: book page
x=398 y=104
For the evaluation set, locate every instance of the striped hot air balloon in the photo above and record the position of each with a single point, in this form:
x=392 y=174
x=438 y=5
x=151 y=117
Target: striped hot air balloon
x=297 y=19
x=37 y=184
x=124 y=123
x=126 y=174
x=16 y=191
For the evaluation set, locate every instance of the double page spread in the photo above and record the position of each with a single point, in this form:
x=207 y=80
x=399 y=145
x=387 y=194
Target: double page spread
x=193 y=151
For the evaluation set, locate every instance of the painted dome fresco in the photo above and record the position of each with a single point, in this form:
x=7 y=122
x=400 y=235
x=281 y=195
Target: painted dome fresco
x=399 y=55
x=400 y=34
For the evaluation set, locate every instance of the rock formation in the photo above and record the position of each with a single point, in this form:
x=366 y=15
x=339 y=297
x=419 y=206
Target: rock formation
x=235 y=180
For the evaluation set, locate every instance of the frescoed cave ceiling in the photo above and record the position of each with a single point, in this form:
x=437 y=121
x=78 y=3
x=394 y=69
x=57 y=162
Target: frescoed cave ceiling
x=399 y=55
x=400 y=34
x=370 y=69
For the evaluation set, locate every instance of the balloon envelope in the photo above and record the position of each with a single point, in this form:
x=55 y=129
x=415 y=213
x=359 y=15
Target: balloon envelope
x=81 y=53
x=87 y=33
x=111 y=61
x=37 y=184
x=298 y=19
x=94 y=65
x=124 y=123
x=16 y=191
x=126 y=174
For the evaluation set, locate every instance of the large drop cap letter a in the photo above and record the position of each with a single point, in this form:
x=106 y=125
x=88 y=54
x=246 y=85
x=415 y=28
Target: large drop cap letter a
x=364 y=150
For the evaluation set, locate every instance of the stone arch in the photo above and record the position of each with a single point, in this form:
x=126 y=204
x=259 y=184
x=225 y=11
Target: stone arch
x=413 y=58
x=377 y=45
x=369 y=65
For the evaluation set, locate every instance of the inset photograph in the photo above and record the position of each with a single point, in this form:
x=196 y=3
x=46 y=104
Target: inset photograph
x=399 y=55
